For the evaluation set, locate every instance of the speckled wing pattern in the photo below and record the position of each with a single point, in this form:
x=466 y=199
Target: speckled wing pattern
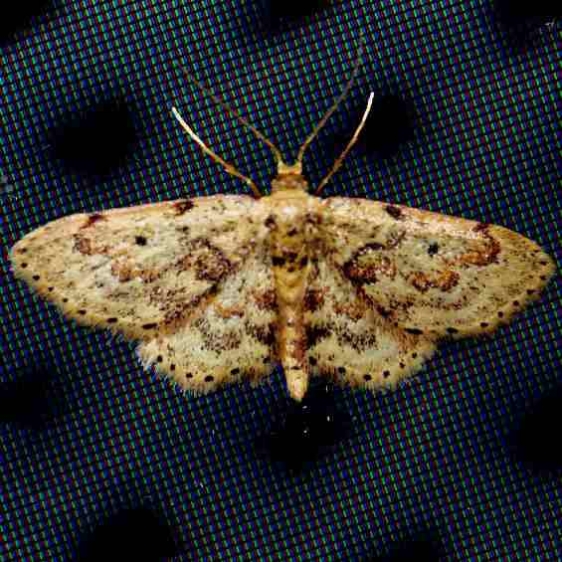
x=220 y=289
x=391 y=280
x=230 y=339
x=188 y=279
x=351 y=342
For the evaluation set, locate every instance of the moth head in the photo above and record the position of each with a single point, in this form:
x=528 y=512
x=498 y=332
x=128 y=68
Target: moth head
x=289 y=169
x=289 y=176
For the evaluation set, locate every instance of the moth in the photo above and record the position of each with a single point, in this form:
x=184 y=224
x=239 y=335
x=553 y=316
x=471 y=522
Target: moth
x=221 y=289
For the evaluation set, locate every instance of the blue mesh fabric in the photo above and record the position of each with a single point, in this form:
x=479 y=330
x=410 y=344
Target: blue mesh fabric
x=103 y=461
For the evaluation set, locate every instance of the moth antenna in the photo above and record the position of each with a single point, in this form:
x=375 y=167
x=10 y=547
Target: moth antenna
x=335 y=105
x=232 y=112
x=226 y=165
x=350 y=144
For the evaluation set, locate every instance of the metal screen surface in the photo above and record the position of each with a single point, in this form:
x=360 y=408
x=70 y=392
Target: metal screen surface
x=101 y=460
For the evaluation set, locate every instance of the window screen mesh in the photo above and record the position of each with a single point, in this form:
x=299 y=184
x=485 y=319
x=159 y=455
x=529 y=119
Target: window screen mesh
x=102 y=460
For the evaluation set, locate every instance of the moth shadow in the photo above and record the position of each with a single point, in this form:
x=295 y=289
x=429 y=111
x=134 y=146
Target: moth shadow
x=307 y=431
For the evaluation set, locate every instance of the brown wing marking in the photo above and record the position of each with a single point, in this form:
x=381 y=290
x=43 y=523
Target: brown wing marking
x=231 y=339
x=349 y=342
x=140 y=269
x=430 y=273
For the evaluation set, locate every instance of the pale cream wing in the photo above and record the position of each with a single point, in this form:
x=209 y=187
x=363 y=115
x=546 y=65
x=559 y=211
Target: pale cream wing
x=230 y=339
x=349 y=341
x=139 y=270
x=429 y=273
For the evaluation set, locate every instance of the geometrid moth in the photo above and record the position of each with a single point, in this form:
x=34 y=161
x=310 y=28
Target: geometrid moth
x=222 y=288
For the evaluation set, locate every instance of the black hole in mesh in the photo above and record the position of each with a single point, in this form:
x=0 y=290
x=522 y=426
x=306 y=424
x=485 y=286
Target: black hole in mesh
x=521 y=23
x=29 y=399
x=424 y=545
x=19 y=15
x=132 y=534
x=524 y=15
x=277 y=14
x=297 y=8
x=389 y=125
x=97 y=141
x=530 y=443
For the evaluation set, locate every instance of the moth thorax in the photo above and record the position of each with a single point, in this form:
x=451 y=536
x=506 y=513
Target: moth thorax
x=289 y=182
